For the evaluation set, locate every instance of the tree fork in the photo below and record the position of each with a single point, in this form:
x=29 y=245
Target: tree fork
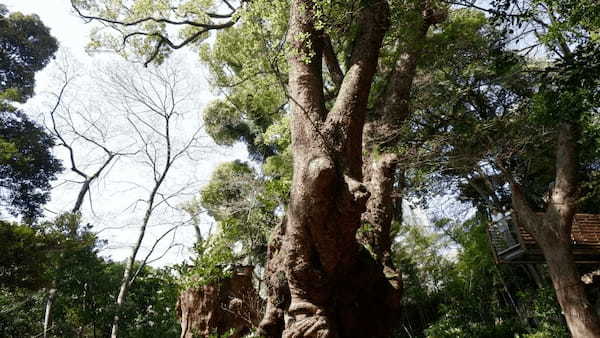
x=336 y=289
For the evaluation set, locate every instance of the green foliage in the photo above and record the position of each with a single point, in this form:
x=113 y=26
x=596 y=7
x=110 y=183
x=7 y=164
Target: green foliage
x=30 y=255
x=26 y=47
x=84 y=305
x=146 y=25
x=237 y=199
x=150 y=308
x=227 y=334
x=24 y=257
x=247 y=64
x=211 y=263
x=453 y=288
x=545 y=313
x=243 y=206
x=21 y=312
x=63 y=254
x=475 y=104
x=477 y=291
x=27 y=165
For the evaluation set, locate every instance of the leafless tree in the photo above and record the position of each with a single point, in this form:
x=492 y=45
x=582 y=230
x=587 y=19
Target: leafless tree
x=80 y=133
x=155 y=102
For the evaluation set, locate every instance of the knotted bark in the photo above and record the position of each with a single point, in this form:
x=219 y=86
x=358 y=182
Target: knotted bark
x=380 y=165
x=322 y=283
x=232 y=303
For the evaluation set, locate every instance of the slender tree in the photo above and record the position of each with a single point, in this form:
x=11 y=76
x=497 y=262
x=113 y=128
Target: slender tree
x=155 y=102
x=78 y=131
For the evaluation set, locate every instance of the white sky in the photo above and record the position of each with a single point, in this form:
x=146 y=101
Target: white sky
x=115 y=214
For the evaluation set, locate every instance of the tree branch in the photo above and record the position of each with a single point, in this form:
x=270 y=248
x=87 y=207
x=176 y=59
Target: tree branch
x=332 y=62
x=346 y=119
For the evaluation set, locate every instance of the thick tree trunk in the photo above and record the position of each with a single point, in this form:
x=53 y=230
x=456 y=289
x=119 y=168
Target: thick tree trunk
x=380 y=178
x=579 y=313
x=380 y=165
x=278 y=292
x=336 y=289
x=330 y=285
x=552 y=232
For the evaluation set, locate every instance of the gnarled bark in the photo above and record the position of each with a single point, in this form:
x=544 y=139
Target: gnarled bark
x=336 y=289
x=552 y=232
x=320 y=278
x=232 y=303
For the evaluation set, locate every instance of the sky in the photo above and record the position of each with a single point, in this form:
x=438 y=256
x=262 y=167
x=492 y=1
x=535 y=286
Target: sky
x=114 y=209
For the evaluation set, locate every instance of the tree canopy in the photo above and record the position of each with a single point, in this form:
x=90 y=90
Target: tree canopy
x=26 y=47
x=27 y=165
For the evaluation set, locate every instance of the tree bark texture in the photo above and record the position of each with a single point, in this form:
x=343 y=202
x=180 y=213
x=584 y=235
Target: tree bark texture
x=335 y=287
x=552 y=232
x=382 y=130
x=232 y=303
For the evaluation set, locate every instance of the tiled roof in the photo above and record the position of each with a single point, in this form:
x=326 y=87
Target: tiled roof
x=585 y=230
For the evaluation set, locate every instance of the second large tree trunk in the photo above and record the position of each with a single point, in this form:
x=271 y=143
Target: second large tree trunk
x=552 y=232
x=579 y=313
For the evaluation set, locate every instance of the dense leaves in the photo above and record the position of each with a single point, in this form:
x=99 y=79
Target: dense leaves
x=469 y=295
x=244 y=209
x=26 y=47
x=492 y=84
x=64 y=254
x=27 y=165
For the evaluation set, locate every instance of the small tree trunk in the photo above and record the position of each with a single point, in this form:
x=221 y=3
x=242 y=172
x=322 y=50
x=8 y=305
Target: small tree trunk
x=48 y=312
x=123 y=289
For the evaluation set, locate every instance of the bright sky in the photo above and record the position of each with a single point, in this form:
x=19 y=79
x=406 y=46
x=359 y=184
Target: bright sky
x=114 y=213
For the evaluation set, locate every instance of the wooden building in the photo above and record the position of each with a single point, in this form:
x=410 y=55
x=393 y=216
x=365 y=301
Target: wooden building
x=512 y=243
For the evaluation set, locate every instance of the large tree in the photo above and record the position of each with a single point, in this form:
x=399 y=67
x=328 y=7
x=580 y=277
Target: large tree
x=335 y=287
x=26 y=164
x=318 y=241
x=563 y=100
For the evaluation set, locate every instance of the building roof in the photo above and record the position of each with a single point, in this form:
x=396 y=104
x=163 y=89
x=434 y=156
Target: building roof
x=508 y=247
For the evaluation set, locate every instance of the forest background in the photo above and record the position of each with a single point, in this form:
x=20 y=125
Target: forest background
x=484 y=92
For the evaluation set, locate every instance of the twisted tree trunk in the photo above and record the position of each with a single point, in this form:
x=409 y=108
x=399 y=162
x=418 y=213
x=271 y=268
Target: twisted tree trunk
x=336 y=289
x=318 y=274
